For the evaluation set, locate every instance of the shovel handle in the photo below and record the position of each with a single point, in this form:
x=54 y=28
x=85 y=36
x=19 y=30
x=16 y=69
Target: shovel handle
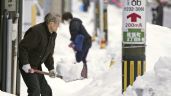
x=45 y=73
x=41 y=72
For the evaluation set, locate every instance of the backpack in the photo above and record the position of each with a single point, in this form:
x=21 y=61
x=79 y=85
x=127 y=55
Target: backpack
x=79 y=40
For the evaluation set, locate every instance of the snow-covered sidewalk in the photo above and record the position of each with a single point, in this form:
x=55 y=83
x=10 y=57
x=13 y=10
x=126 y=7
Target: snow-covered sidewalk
x=104 y=80
x=5 y=94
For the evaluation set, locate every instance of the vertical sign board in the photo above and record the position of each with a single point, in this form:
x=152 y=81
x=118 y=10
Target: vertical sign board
x=133 y=48
x=10 y=5
x=134 y=22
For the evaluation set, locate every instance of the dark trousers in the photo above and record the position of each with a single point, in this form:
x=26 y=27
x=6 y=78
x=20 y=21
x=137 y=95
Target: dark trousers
x=81 y=56
x=36 y=84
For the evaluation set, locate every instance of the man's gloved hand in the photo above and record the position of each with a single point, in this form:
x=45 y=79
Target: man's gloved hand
x=52 y=73
x=27 y=68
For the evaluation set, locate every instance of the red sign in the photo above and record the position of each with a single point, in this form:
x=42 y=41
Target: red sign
x=133 y=17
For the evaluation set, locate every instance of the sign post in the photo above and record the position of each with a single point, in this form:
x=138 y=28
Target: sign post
x=97 y=19
x=104 y=24
x=133 y=41
x=10 y=5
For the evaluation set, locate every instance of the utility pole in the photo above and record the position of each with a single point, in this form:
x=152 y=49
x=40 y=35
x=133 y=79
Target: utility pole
x=57 y=6
x=103 y=23
x=1 y=35
x=134 y=41
x=97 y=20
x=67 y=5
x=104 y=39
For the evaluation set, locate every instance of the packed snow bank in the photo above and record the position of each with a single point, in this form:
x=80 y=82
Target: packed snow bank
x=106 y=84
x=156 y=83
x=158 y=44
x=5 y=94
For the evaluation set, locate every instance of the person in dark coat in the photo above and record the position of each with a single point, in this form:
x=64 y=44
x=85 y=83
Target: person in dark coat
x=158 y=14
x=80 y=40
x=36 y=48
x=86 y=4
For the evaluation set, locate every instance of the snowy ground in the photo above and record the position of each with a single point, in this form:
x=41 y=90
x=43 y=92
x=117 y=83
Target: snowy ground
x=102 y=79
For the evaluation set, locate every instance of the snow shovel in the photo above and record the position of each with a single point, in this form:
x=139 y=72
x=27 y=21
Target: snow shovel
x=58 y=76
x=45 y=73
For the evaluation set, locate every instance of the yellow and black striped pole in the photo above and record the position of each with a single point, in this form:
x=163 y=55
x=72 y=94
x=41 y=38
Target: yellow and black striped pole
x=104 y=23
x=133 y=43
x=133 y=65
x=97 y=19
x=104 y=39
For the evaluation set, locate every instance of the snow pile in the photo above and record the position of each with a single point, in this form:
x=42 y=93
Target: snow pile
x=5 y=94
x=106 y=84
x=158 y=44
x=156 y=83
x=163 y=69
x=69 y=71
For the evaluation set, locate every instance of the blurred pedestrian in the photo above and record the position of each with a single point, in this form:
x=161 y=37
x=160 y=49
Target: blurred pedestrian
x=158 y=14
x=36 y=48
x=80 y=40
x=86 y=4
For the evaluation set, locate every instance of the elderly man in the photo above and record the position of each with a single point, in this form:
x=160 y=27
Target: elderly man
x=37 y=47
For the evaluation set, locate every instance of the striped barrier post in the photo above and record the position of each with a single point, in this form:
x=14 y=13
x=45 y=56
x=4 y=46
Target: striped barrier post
x=131 y=68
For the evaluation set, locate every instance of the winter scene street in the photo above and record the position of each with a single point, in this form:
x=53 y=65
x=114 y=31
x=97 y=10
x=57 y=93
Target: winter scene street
x=105 y=64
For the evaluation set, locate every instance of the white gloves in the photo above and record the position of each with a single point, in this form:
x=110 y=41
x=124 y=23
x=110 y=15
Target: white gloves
x=52 y=73
x=27 y=68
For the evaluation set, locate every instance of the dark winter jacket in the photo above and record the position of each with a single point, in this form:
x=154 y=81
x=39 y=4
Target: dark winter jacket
x=76 y=27
x=37 y=47
x=86 y=2
x=159 y=18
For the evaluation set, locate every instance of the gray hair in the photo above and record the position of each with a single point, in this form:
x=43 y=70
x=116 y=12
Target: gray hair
x=52 y=17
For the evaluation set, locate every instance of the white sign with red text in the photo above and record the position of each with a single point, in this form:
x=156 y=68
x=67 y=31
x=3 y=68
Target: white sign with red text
x=134 y=22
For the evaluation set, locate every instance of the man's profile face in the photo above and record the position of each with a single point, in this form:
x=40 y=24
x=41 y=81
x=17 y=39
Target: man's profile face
x=53 y=26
